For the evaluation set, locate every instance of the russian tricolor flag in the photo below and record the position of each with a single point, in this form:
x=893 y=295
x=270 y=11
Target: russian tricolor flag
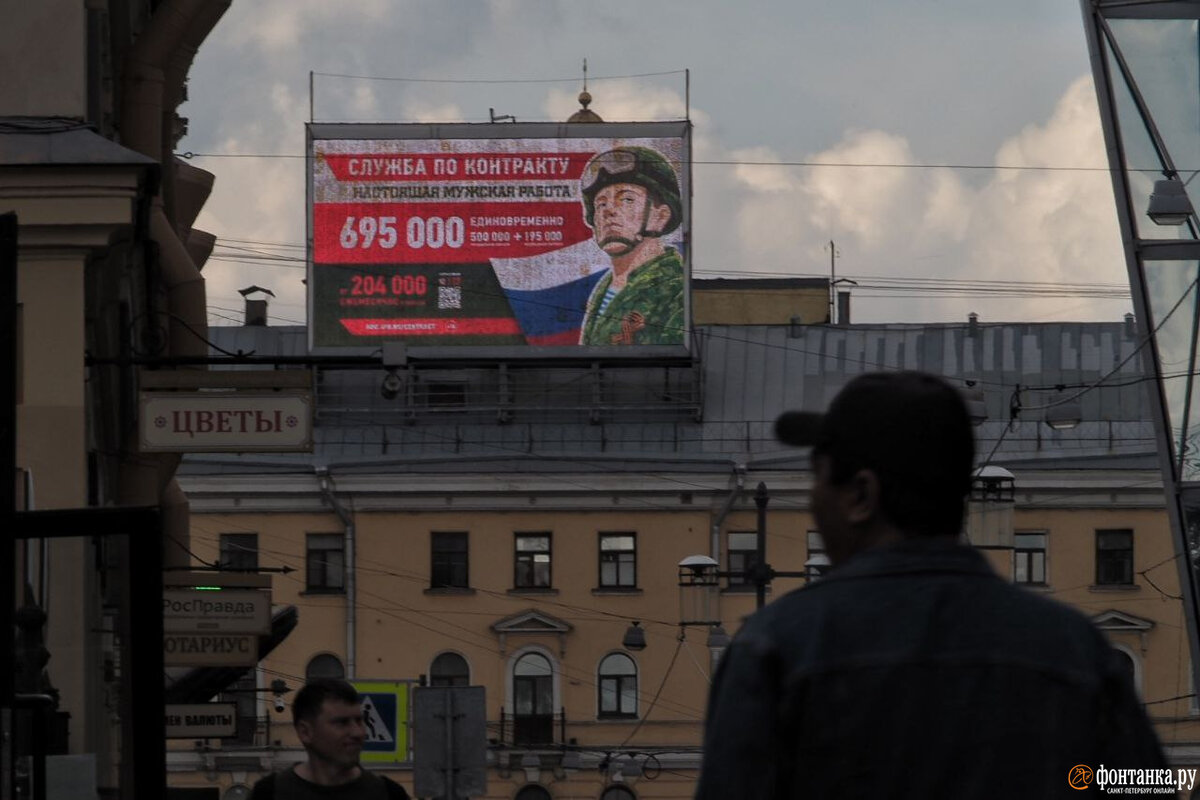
x=548 y=293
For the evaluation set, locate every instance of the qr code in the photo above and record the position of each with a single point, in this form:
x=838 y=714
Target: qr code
x=449 y=297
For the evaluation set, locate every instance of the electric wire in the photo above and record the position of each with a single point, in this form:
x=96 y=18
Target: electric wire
x=796 y=163
x=505 y=81
x=477 y=641
x=658 y=692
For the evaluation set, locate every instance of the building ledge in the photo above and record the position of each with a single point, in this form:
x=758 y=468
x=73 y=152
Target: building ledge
x=51 y=141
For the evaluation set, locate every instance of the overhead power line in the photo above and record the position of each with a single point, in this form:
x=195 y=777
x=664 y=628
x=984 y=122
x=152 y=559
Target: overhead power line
x=782 y=163
x=492 y=81
x=867 y=285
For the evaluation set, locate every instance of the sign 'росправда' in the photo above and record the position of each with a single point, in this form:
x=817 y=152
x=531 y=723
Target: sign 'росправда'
x=484 y=235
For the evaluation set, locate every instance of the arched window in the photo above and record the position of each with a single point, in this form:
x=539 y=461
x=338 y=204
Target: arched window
x=449 y=669
x=533 y=792
x=1129 y=665
x=324 y=666
x=533 y=699
x=617 y=792
x=618 y=686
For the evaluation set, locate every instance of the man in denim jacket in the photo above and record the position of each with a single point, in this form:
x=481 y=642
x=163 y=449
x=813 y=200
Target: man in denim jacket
x=911 y=669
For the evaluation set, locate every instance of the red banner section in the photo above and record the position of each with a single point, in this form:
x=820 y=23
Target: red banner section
x=443 y=233
x=477 y=326
x=357 y=167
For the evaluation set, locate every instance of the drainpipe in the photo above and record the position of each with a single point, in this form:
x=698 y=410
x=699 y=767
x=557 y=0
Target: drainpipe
x=347 y=520
x=739 y=474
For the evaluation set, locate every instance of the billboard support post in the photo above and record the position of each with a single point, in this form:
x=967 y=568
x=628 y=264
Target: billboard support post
x=687 y=94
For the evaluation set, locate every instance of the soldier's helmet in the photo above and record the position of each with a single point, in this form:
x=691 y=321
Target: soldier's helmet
x=637 y=165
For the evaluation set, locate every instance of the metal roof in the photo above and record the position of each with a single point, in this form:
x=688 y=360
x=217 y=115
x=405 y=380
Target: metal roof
x=746 y=376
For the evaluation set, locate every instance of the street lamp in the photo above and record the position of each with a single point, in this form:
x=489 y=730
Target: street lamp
x=635 y=637
x=698 y=586
x=976 y=402
x=1169 y=203
x=699 y=578
x=1065 y=415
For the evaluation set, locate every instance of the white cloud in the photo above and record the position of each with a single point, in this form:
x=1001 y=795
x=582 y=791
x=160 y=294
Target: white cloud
x=1018 y=225
x=771 y=217
x=420 y=110
x=1055 y=224
x=278 y=26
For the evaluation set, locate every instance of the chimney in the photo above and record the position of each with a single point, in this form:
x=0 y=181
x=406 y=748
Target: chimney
x=256 y=308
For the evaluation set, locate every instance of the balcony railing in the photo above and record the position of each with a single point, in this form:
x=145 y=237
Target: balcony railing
x=533 y=730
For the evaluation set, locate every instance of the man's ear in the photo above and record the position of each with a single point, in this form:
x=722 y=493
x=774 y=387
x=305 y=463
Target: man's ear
x=862 y=496
x=657 y=219
x=304 y=730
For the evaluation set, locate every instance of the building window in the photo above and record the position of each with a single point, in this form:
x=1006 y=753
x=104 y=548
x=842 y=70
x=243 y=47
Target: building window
x=1029 y=558
x=742 y=555
x=324 y=666
x=532 y=561
x=1129 y=668
x=618 y=560
x=618 y=686
x=449 y=669
x=1114 y=558
x=818 y=561
x=325 y=562
x=449 y=560
x=239 y=551
x=533 y=700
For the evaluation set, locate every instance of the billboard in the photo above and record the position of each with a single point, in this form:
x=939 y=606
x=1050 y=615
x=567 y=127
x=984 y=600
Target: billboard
x=500 y=239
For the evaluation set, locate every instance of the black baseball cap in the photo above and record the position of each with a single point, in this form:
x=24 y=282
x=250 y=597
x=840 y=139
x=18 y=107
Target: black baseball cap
x=911 y=428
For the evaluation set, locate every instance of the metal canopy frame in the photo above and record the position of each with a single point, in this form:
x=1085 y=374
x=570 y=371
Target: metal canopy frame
x=1105 y=53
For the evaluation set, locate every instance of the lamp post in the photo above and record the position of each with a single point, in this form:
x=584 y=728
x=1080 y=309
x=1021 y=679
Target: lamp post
x=699 y=576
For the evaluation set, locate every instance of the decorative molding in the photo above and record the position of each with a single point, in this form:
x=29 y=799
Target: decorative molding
x=532 y=622
x=1113 y=621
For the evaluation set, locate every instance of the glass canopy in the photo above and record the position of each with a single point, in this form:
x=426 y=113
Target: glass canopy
x=1146 y=63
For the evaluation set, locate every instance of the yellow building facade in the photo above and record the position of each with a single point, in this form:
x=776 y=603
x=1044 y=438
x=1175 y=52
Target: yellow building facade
x=523 y=572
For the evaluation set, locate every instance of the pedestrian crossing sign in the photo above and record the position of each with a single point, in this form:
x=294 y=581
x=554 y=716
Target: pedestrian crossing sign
x=385 y=717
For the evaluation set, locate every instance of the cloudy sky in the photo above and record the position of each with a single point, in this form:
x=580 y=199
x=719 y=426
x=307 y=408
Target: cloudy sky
x=950 y=150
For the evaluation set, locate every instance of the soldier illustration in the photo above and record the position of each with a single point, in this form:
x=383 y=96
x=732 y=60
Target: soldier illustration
x=631 y=200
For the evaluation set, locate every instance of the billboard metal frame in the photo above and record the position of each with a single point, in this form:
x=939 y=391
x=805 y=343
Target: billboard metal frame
x=680 y=129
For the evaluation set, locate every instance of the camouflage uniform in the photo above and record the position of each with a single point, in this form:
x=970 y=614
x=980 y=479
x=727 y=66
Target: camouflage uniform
x=648 y=310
